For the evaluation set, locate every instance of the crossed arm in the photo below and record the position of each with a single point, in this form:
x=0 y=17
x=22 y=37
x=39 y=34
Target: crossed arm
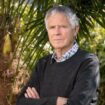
x=32 y=93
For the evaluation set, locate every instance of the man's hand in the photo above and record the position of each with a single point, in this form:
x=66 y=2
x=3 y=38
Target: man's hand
x=31 y=93
x=61 y=101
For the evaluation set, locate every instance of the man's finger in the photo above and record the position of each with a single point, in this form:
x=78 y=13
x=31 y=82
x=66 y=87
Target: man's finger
x=30 y=93
x=26 y=95
x=36 y=93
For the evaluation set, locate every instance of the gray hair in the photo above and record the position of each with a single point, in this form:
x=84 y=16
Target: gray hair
x=68 y=12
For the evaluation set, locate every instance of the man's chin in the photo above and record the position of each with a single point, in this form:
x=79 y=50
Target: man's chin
x=57 y=47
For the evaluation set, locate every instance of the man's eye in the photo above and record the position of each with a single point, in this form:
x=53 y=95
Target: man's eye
x=64 y=26
x=52 y=27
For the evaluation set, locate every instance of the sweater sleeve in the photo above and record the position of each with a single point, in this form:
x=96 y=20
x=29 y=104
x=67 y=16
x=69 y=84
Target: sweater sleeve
x=41 y=101
x=34 y=81
x=87 y=83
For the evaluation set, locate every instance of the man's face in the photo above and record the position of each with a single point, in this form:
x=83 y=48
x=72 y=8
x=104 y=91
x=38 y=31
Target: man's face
x=60 y=32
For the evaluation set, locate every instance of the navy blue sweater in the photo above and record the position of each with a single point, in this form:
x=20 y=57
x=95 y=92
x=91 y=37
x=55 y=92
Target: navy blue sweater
x=76 y=79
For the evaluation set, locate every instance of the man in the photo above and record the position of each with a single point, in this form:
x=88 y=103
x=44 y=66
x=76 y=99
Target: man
x=69 y=76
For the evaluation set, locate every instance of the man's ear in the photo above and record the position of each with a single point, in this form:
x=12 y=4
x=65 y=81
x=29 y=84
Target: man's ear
x=76 y=31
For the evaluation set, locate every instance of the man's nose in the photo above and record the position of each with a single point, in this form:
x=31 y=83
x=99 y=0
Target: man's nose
x=57 y=30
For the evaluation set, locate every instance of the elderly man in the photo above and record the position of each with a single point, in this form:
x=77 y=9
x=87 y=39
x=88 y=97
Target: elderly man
x=69 y=76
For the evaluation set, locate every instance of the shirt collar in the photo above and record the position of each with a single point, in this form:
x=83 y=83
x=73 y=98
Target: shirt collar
x=68 y=54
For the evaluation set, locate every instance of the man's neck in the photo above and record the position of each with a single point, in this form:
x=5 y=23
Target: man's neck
x=60 y=52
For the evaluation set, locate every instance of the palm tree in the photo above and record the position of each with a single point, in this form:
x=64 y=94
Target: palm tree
x=35 y=33
x=22 y=27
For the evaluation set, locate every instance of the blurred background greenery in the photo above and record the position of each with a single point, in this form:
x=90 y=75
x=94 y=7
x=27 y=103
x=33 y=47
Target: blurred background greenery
x=23 y=39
